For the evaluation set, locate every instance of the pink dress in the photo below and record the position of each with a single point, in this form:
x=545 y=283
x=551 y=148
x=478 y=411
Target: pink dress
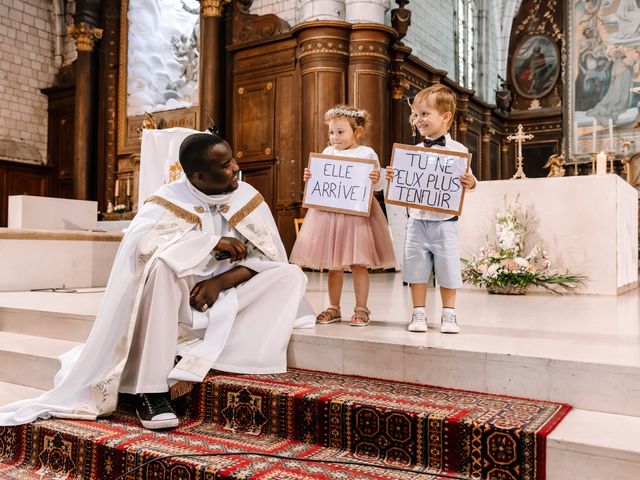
x=335 y=241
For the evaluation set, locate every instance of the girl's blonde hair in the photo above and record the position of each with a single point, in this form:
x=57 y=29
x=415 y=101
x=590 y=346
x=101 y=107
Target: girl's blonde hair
x=355 y=116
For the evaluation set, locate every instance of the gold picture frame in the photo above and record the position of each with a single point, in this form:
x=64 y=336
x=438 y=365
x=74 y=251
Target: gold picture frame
x=130 y=127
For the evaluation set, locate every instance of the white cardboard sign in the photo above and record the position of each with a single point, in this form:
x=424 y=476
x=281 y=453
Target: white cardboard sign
x=427 y=178
x=339 y=184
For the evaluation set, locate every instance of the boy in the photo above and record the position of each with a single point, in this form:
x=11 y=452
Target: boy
x=432 y=238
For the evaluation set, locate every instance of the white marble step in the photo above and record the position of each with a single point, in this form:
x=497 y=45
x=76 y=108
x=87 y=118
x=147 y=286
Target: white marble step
x=605 y=379
x=11 y=392
x=30 y=360
x=55 y=258
x=593 y=446
x=561 y=358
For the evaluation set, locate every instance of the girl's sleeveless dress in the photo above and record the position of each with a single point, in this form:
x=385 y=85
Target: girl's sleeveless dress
x=334 y=241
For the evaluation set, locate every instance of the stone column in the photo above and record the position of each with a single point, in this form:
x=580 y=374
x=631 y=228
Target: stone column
x=369 y=67
x=212 y=62
x=85 y=36
x=323 y=55
x=366 y=11
x=322 y=10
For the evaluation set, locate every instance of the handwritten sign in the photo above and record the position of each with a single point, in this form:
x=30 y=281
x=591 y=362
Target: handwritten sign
x=339 y=184
x=427 y=178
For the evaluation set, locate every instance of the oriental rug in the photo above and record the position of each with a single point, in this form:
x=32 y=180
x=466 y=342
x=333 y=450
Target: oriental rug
x=428 y=432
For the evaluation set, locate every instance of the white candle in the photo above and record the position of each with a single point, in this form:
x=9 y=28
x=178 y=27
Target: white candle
x=117 y=188
x=128 y=187
x=593 y=136
x=601 y=163
x=611 y=135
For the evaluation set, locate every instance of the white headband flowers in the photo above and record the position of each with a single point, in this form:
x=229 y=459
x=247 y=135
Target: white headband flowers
x=345 y=112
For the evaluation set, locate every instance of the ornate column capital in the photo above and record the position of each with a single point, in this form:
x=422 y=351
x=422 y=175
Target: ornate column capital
x=85 y=36
x=212 y=8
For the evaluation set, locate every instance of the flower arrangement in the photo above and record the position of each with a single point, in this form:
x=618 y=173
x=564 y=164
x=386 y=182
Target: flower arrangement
x=120 y=208
x=503 y=267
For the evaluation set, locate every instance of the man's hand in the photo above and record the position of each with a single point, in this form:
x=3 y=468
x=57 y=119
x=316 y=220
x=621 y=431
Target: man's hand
x=307 y=175
x=375 y=175
x=388 y=173
x=467 y=180
x=205 y=293
x=233 y=246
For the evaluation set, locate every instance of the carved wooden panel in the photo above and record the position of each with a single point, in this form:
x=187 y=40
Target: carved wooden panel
x=61 y=121
x=21 y=179
x=287 y=145
x=254 y=120
x=473 y=143
x=262 y=176
x=327 y=88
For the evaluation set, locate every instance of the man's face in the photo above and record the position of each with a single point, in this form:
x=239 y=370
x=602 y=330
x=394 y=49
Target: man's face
x=219 y=173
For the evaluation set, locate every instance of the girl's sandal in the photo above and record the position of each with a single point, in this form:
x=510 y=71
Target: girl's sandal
x=330 y=315
x=360 y=317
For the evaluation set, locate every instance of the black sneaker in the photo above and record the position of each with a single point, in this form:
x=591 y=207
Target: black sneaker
x=155 y=411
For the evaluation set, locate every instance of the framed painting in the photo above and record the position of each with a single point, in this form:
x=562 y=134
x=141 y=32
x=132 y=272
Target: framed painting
x=158 y=67
x=535 y=66
x=602 y=107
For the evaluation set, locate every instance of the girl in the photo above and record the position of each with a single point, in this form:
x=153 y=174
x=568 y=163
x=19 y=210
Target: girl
x=338 y=241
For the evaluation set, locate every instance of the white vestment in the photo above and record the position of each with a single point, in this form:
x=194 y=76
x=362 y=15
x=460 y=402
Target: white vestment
x=170 y=243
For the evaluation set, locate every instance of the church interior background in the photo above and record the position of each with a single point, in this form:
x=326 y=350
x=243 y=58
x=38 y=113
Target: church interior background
x=81 y=79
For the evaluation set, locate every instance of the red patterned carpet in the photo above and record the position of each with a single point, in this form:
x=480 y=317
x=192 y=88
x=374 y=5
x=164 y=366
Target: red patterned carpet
x=429 y=432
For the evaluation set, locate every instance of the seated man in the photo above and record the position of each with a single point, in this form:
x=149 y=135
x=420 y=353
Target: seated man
x=171 y=295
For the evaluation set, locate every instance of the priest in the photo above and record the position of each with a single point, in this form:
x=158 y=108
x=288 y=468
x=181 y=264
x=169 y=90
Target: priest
x=197 y=284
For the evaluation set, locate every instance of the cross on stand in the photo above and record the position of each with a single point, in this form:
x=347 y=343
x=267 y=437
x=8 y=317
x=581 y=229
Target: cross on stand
x=519 y=137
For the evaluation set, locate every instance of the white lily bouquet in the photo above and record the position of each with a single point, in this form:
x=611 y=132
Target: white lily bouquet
x=503 y=267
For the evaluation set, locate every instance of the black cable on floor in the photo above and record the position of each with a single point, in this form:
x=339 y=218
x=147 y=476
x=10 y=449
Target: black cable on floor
x=297 y=459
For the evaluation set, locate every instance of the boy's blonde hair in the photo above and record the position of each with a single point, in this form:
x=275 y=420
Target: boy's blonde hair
x=356 y=117
x=443 y=96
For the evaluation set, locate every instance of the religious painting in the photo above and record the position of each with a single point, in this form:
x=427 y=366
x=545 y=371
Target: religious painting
x=159 y=65
x=535 y=66
x=604 y=75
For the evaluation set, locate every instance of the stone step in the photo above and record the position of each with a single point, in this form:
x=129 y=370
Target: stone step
x=588 y=370
x=56 y=259
x=11 y=392
x=29 y=360
x=585 y=445
x=593 y=445
x=589 y=377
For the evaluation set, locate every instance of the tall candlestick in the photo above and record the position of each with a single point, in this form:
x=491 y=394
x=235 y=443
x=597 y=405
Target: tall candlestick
x=128 y=187
x=611 y=135
x=601 y=164
x=117 y=188
x=593 y=136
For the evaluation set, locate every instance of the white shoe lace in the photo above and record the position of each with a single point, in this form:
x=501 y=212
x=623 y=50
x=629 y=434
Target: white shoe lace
x=418 y=318
x=448 y=319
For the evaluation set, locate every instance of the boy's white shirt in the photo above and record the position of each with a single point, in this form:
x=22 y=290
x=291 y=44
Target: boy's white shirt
x=454 y=146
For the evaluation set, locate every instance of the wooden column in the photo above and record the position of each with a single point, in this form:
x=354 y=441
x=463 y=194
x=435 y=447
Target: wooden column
x=85 y=137
x=399 y=128
x=212 y=62
x=368 y=83
x=323 y=56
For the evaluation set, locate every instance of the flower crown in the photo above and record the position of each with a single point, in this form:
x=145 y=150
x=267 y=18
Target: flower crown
x=345 y=112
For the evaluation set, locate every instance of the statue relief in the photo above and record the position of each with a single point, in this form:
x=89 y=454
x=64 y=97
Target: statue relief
x=159 y=67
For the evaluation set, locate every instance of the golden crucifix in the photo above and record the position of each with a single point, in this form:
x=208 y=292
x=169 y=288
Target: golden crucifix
x=519 y=137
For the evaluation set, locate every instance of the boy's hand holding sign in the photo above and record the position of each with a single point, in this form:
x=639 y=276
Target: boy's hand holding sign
x=339 y=184
x=426 y=178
